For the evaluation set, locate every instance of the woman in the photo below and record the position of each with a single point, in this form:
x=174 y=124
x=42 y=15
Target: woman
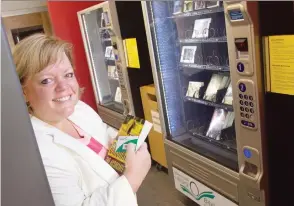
x=72 y=138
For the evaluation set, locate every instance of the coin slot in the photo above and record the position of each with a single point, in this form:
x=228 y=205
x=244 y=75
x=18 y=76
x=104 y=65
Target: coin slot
x=241 y=44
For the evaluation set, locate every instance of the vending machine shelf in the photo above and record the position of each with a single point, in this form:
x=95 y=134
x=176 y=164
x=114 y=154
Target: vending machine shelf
x=225 y=144
x=109 y=59
x=209 y=103
x=106 y=40
x=204 y=40
x=113 y=79
x=115 y=106
x=105 y=28
x=205 y=67
x=199 y=12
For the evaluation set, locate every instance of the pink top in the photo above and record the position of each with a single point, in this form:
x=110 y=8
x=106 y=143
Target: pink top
x=91 y=142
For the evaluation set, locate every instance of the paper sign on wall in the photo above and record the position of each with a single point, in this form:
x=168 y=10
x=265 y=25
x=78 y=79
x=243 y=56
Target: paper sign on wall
x=281 y=64
x=131 y=53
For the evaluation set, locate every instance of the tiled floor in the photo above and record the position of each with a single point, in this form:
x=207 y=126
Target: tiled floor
x=158 y=190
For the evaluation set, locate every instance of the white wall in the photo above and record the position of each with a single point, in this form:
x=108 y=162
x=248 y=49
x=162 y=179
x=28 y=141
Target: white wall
x=12 y=8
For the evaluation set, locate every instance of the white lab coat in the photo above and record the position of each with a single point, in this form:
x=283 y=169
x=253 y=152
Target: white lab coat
x=76 y=174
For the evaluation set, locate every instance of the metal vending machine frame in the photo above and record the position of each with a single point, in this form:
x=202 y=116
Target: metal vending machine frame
x=23 y=177
x=109 y=116
x=248 y=186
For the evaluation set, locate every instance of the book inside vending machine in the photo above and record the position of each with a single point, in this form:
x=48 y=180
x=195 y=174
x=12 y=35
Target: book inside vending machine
x=207 y=71
x=118 y=58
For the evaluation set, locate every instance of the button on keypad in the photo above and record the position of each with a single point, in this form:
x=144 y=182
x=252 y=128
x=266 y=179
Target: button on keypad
x=246 y=106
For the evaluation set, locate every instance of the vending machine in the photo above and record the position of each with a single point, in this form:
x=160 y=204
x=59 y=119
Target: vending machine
x=206 y=65
x=118 y=58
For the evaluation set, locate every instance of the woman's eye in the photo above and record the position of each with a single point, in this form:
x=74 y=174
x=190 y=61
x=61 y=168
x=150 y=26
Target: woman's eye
x=46 y=81
x=70 y=75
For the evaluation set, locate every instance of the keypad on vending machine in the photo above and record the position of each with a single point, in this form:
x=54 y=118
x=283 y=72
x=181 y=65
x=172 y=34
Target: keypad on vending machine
x=247 y=104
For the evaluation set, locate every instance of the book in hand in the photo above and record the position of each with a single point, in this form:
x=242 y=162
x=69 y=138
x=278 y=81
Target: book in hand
x=133 y=130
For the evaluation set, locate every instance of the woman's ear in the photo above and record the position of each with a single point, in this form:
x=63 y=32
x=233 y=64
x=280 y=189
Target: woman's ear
x=25 y=98
x=25 y=94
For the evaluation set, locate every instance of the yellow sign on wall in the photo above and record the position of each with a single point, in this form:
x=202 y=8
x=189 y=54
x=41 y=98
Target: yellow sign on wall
x=131 y=53
x=281 y=64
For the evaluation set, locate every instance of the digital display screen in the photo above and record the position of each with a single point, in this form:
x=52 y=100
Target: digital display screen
x=236 y=14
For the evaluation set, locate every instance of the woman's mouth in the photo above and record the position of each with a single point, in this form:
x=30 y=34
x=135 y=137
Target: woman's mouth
x=62 y=99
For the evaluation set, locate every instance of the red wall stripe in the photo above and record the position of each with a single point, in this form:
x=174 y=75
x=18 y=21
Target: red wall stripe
x=63 y=15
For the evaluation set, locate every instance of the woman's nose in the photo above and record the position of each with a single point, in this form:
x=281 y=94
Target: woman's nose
x=61 y=85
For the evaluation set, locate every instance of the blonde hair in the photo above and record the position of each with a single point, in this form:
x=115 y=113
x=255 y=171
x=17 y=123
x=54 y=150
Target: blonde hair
x=36 y=52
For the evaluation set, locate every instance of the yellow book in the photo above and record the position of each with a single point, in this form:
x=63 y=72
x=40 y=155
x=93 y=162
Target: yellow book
x=133 y=130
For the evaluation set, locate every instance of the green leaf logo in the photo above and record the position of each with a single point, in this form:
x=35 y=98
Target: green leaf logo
x=205 y=194
x=209 y=195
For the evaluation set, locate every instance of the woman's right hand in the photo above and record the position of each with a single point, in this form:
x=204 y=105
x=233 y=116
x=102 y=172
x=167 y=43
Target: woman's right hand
x=137 y=165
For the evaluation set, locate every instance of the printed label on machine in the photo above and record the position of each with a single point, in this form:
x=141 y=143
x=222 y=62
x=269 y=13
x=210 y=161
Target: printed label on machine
x=236 y=14
x=198 y=192
x=156 y=121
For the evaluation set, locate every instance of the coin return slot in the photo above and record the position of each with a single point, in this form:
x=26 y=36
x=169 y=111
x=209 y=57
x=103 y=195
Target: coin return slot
x=250 y=169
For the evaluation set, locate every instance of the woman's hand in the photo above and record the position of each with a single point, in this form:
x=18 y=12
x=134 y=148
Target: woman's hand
x=110 y=142
x=137 y=165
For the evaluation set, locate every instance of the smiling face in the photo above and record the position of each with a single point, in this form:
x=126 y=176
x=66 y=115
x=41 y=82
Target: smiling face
x=53 y=92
